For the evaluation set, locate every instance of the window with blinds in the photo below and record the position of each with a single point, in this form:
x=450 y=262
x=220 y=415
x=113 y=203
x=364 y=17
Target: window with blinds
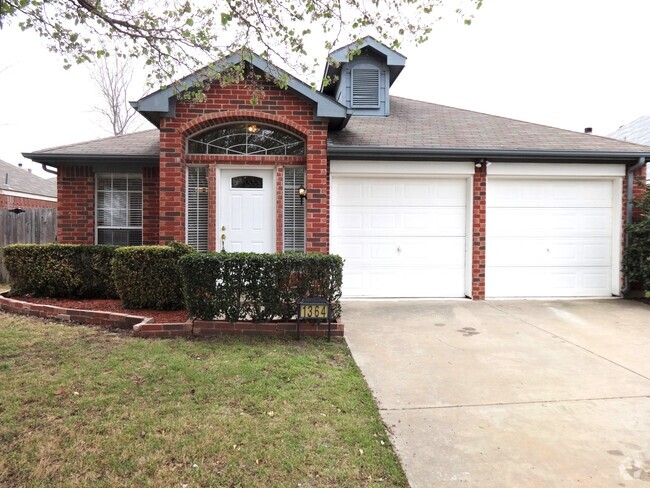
x=119 y=209
x=294 y=212
x=197 y=207
x=365 y=88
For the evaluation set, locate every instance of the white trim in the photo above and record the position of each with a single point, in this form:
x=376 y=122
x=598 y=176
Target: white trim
x=403 y=169
x=469 y=237
x=12 y=193
x=556 y=169
x=617 y=234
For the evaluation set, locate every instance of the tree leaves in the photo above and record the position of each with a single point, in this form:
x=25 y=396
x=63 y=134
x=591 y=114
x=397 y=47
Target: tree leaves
x=177 y=37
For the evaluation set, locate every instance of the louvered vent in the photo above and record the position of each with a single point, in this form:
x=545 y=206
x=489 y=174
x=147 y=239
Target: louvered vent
x=365 y=88
x=294 y=213
x=197 y=208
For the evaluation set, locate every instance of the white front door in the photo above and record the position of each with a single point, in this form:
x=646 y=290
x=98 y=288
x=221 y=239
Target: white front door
x=247 y=207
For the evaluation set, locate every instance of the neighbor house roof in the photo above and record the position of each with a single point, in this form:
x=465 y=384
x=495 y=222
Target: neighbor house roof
x=15 y=179
x=139 y=146
x=637 y=131
x=417 y=127
x=414 y=130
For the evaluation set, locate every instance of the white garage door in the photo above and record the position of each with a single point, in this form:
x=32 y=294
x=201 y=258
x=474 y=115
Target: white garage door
x=549 y=238
x=400 y=237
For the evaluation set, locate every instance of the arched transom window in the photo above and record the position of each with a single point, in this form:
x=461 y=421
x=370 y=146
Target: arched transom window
x=246 y=139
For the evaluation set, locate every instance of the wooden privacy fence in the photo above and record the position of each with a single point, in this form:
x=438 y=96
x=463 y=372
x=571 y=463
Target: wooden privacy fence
x=33 y=226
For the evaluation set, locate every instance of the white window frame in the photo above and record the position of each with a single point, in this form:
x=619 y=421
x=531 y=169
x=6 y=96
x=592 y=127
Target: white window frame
x=127 y=227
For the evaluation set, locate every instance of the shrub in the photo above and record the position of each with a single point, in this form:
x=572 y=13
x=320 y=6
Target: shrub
x=60 y=270
x=260 y=287
x=636 y=261
x=148 y=276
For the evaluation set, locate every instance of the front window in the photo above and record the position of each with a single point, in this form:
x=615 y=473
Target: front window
x=246 y=139
x=119 y=209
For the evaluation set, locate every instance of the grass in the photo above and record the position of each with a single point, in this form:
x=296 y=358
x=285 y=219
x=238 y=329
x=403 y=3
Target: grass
x=82 y=407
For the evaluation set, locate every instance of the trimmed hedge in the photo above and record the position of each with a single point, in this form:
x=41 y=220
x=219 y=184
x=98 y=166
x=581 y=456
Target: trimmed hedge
x=148 y=276
x=258 y=287
x=60 y=270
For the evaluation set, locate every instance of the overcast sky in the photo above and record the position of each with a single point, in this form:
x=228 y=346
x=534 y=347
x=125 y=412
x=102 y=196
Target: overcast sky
x=565 y=63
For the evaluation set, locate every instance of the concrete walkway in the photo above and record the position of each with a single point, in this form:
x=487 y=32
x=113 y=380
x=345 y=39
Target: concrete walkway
x=510 y=393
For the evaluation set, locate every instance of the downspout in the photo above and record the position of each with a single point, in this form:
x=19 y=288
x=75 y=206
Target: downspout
x=629 y=210
x=47 y=170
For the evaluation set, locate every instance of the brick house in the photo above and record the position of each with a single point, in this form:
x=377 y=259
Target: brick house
x=20 y=189
x=421 y=200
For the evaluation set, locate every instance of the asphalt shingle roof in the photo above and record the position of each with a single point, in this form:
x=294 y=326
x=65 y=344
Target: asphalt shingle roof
x=25 y=182
x=637 y=131
x=411 y=124
x=415 y=124
x=145 y=143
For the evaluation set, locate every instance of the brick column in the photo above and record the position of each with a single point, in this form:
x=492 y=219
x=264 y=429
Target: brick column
x=172 y=185
x=75 y=222
x=478 y=233
x=317 y=203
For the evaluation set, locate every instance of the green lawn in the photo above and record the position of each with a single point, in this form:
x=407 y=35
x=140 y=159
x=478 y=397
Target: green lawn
x=83 y=407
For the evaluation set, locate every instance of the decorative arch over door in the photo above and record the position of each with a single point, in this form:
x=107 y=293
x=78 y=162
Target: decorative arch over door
x=246 y=138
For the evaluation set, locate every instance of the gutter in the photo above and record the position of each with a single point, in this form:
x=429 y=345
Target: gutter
x=53 y=159
x=47 y=170
x=629 y=211
x=379 y=153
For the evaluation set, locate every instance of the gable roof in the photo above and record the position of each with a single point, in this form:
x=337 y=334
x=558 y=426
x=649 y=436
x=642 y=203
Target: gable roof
x=429 y=129
x=637 y=131
x=136 y=147
x=163 y=102
x=13 y=178
x=394 y=60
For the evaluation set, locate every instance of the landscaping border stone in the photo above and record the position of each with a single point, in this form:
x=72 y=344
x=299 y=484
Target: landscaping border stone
x=146 y=327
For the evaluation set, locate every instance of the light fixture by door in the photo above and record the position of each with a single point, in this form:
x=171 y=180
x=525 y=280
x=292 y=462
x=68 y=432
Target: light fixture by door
x=302 y=193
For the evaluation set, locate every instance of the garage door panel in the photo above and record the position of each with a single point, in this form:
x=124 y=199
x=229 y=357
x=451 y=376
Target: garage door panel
x=403 y=282
x=549 y=222
x=562 y=252
x=400 y=237
x=536 y=282
x=371 y=221
x=386 y=251
x=549 y=193
x=402 y=192
x=549 y=237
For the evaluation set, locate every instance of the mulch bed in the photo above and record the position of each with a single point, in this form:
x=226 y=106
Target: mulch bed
x=159 y=316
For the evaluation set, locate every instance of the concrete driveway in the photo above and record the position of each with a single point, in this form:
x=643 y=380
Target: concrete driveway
x=510 y=393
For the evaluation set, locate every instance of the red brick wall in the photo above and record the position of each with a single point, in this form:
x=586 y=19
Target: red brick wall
x=9 y=201
x=281 y=108
x=75 y=216
x=478 y=230
x=150 y=202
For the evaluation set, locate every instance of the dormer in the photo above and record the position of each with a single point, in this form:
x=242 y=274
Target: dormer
x=362 y=81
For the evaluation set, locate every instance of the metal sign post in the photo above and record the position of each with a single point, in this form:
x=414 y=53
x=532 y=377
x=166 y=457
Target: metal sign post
x=317 y=309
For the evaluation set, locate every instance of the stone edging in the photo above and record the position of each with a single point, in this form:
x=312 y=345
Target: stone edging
x=146 y=327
